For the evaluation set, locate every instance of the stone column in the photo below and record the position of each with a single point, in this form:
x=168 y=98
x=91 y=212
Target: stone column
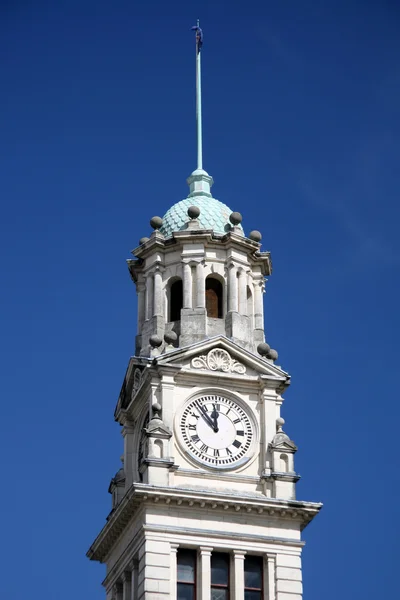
x=205 y=573
x=242 y=292
x=238 y=574
x=173 y=571
x=232 y=288
x=129 y=434
x=201 y=286
x=270 y=576
x=126 y=585
x=158 y=298
x=141 y=294
x=258 y=305
x=187 y=286
x=134 y=580
x=149 y=295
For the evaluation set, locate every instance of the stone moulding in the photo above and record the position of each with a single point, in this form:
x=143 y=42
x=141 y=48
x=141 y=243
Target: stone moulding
x=218 y=360
x=138 y=493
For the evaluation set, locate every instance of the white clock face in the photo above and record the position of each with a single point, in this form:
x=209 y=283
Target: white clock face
x=217 y=431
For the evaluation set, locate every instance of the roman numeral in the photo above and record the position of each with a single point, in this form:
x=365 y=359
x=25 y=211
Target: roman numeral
x=195 y=415
x=192 y=427
x=240 y=432
x=229 y=453
x=204 y=448
x=237 y=421
x=216 y=453
x=237 y=444
x=195 y=438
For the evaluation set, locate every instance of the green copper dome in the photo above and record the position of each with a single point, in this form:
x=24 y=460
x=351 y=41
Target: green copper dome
x=213 y=215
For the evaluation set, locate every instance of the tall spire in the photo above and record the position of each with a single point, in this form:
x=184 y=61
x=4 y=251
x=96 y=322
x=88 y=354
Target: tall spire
x=200 y=181
x=199 y=41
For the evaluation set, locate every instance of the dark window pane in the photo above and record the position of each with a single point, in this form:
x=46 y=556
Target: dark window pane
x=219 y=594
x=185 y=591
x=219 y=568
x=250 y=595
x=253 y=568
x=186 y=565
x=176 y=301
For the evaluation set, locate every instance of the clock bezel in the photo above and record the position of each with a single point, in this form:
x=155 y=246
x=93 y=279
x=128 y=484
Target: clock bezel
x=239 y=464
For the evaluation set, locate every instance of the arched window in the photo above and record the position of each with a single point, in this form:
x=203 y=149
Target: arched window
x=214 y=295
x=175 y=300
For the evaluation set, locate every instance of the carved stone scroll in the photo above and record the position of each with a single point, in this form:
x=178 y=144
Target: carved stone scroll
x=218 y=360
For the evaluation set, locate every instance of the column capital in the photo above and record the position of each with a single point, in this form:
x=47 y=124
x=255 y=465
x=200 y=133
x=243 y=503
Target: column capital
x=270 y=556
x=174 y=547
x=240 y=554
x=205 y=550
x=126 y=576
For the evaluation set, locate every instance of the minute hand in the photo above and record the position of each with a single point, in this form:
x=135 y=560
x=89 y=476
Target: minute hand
x=205 y=415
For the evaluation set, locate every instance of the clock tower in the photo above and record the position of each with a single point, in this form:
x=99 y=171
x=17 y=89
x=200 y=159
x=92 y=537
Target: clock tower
x=204 y=505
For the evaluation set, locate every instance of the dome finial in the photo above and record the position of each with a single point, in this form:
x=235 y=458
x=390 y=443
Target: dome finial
x=200 y=181
x=199 y=44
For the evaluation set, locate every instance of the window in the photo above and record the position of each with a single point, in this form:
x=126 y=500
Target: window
x=253 y=578
x=175 y=300
x=214 y=298
x=186 y=574
x=219 y=576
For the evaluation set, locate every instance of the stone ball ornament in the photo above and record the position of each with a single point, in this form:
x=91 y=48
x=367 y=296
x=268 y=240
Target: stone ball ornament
x=143 y=240
x=170 y=337
x=273 y=355
x=155 y=341
x=235 y=218
x=193 y=212
x=156 y=407
x=156 y=222
x=280 y=422
x=263 y=349
x=255 y=236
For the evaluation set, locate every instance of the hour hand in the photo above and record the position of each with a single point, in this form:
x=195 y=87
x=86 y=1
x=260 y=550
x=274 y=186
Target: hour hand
x=215 y=415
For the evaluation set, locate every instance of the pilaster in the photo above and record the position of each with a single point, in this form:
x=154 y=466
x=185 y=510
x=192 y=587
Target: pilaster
x=205 y=573
x=269 y=576
x=238 y=571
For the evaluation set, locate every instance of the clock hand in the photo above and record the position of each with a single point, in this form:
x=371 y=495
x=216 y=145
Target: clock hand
x=215 y=415
x=204 y=413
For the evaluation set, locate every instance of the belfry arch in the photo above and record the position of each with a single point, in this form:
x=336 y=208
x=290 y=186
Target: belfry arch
x=214 y=297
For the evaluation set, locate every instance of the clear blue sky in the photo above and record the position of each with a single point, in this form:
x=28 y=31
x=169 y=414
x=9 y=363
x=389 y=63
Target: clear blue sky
x=97 y=135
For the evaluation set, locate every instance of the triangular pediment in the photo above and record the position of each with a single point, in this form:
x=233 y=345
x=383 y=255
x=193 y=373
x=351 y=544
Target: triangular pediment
x=221 y=355
x=286 y=445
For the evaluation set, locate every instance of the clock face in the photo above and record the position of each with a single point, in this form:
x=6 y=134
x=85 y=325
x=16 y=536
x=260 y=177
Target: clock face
x=216 y=431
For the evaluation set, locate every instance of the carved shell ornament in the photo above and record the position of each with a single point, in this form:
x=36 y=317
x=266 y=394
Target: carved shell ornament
x=218 y=360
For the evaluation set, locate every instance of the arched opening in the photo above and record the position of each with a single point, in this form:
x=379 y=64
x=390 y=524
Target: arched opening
x=214 y=297
x=284 y=463
x=175 y=300
x=250 y=310
x=158 y=449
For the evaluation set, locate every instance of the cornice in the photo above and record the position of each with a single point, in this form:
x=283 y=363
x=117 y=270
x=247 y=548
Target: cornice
x=230 y=239
x=137 y=494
